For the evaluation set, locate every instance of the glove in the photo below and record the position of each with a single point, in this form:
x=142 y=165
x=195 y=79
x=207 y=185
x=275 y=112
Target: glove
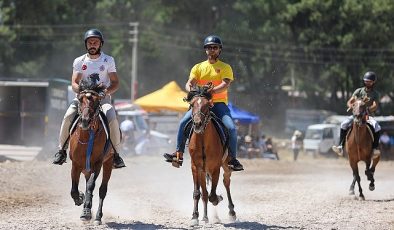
x=102 y=93
x=368 y=110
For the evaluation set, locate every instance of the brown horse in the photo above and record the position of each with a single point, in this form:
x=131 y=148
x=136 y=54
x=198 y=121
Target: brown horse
x=89 y=152
x=207 y=154
x=359 y=146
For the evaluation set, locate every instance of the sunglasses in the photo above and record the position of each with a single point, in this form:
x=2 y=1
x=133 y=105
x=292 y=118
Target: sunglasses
x=212 y=47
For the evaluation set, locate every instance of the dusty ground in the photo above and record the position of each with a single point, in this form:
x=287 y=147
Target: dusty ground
x=150 y=194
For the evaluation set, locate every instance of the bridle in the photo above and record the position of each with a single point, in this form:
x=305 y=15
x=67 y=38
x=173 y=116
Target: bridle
x=89 y=94
x=359 y=112
x=199 y=116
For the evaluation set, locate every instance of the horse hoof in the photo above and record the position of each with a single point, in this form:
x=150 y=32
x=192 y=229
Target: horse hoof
x=232 y=219
x=86 y=215
x=232 y=216
x=216 y=221
x=361 y=198
x=81 y=199
x=371 y=188
x=194 y=222
x=206 y=220
x=97 y=222
x=351 y=193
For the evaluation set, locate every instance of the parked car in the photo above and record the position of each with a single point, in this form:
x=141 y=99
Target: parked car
x=144 y=140
x=319 y=138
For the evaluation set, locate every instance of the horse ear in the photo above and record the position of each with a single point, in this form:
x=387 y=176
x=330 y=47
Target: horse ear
x=210 y=103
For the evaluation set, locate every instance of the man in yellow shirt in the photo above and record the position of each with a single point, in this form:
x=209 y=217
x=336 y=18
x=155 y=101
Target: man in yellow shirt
x=221 y=75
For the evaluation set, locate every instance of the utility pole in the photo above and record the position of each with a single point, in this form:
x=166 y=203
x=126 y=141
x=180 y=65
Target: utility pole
x=134 y=40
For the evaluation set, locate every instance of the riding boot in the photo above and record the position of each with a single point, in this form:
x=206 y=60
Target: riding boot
x=375 y=145
x=115 y=141
x=235 y=165
x=118 y=161
x=60 y=157
x=341 y=145
x=175 y=158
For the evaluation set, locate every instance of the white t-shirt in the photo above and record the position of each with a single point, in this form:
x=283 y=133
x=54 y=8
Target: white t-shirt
x=295 y=144
x=101 y=67
x=126 y=126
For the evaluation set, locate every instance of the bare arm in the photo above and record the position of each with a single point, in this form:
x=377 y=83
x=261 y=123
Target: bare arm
x=222 y=86
x=75 y=79
x=350 y=102
x=190 y=84
x=373 y=107
x=114 y=86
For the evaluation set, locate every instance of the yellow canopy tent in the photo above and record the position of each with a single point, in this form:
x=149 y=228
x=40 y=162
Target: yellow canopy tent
x=170 y=97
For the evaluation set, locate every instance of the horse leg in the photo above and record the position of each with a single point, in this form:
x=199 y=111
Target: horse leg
x=107 y=170
x=86 y=214
x=351 y=190
x=77 y=195
x=356 y=177
x=196 y=196
x=226 y=182
x=202 y=177
x=213 y=197
x=354 y=167
x=371 y=172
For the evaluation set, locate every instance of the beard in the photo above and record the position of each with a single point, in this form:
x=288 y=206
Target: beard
x=94 y=51
x=213 y=56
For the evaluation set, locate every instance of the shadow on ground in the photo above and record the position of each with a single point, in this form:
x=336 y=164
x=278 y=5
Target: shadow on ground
x=256 y=225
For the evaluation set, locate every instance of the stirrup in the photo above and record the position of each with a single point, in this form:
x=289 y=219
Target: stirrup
x=118 y=162
x=235 y=165
x=338 y=150
x=60 y=157
x=375 y=153
x=175 y=159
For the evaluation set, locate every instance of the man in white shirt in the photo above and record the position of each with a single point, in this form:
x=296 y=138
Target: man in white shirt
x=93 y=64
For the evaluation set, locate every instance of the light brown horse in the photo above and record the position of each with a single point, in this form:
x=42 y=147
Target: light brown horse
x=359 y=147
x=207 y=155
x=89 y=152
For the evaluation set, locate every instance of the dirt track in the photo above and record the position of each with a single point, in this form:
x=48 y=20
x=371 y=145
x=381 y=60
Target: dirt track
x=150 y=194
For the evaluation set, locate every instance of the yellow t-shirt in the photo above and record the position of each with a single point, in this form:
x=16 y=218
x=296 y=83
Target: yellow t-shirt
x=205 y=72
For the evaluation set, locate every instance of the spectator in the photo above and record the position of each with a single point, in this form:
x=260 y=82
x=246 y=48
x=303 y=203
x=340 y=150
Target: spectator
x=127 y=128
x=385 y=144
x=271 y=148
x=262 y=144
x=297 y=143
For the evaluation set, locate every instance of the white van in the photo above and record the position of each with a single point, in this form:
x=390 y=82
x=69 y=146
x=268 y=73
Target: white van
x=144 y=140
x=319 y=138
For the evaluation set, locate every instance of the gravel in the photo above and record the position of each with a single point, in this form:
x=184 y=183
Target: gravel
x=151 y=194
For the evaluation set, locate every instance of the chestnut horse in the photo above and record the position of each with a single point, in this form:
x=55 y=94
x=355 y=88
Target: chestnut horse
x=89 y=152
x=359 y=146
x=207 y=154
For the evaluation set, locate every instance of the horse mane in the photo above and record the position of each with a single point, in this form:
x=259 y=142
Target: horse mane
x=90 y=83
x=200 y=91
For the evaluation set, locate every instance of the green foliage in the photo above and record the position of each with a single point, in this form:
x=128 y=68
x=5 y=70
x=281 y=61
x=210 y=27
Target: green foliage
x=319 y=48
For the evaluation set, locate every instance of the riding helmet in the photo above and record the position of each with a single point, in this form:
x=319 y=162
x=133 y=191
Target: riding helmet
x=370 y=76
x=94 y=33
x=213 y=40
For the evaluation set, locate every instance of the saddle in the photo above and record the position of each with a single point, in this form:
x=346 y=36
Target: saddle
x=103 y=120
x=219 y=126
x=370 y=129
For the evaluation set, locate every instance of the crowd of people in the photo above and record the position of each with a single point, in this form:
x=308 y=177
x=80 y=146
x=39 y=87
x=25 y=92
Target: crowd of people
x=257 y=147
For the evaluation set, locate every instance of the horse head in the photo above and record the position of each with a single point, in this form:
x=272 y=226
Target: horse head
x=359 y=110
x=89 y=101
x=200 y=99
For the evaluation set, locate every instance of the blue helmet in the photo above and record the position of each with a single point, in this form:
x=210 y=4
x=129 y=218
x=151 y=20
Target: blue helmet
x=213 y=40
x=370 y=76
x=94 y=33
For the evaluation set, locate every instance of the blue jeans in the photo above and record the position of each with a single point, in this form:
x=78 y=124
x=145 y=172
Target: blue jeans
x=221 y=110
